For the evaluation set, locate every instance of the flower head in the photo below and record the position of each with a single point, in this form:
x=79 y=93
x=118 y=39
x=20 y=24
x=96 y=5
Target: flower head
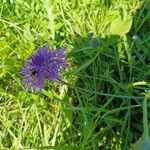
x=43 y=64
x=136 y=38
x=90 y=34
x=95 y=42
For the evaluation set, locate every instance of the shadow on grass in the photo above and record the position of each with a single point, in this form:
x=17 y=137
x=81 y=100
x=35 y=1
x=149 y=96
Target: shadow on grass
x=108 y=68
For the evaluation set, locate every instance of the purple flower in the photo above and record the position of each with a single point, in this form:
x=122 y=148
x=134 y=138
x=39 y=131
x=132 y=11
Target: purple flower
x=43 y=64
x=95 y=42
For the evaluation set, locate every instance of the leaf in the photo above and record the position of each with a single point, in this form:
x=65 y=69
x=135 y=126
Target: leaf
x=68 y=113
x=120 y=27
x=85 y=64
x=27 y=33
x=51 y=16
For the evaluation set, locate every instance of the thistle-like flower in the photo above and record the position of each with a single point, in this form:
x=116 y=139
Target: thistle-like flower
x=43 y=64
x=95 y=42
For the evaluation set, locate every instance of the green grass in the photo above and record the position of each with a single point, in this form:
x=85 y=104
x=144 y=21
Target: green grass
x=102 y=101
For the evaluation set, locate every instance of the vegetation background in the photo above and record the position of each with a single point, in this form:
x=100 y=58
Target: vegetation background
x=102 y=101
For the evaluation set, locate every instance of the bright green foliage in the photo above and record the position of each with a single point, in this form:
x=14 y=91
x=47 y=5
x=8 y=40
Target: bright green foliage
x=121 y=27
x=99 y=102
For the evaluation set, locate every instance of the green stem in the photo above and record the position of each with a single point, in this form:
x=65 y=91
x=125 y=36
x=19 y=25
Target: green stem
x=145 y=121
